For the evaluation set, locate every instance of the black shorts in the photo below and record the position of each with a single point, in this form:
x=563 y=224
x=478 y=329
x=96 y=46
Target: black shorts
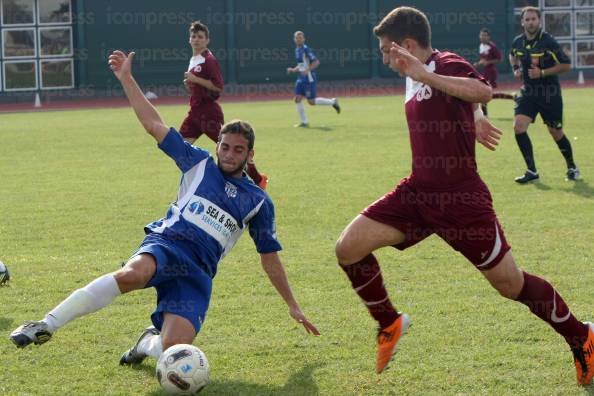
x=550 y=108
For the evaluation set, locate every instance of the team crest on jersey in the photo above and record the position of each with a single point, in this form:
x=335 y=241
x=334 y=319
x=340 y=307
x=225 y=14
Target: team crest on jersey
x=196 y=207
x=231 y=190
x=198 y=69
x=425 y=92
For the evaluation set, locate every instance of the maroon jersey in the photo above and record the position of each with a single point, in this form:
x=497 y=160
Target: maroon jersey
x=441 y=126
x=205 y=66
x=490 y=52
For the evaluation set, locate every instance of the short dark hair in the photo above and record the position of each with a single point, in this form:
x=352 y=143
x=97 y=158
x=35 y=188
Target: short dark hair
x=405 y=22
x=529 y=9
x=485 y=30
x=242 y=128
x=198 y=26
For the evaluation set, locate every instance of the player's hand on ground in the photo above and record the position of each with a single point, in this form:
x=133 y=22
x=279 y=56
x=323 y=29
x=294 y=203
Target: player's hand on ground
x=299 y=316
x=534 y=72
x=405 y=63
x=120 y=63
x=487 y=134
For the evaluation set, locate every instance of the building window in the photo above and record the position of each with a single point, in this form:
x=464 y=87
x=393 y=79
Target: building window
x=56 y=74
x=558 y=23
x=585 y=54
x=584 y=3
x=37 y=50
x=525 y=3
x=557 y=3
x=18 y=12
x=584 y=23
x=55 y=41
x=20 y=75
x=18 y=43
x=54 y=12
x=567 y=47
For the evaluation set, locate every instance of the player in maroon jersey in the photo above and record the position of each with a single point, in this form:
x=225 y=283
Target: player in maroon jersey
x=489 y=57
x=204 y=80
x=444 y=195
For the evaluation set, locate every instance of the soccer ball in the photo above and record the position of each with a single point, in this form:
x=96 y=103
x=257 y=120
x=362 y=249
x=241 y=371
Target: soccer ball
x=4 y=274
x=183 y=370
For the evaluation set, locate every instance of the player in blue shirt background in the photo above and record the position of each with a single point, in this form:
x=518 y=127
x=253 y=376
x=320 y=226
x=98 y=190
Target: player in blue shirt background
x=305 y=86
x=216 y=202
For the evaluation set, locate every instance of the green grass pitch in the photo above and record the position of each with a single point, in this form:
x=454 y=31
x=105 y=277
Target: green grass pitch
x=77 y=187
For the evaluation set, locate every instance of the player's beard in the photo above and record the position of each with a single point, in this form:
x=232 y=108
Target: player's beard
x=235 y=171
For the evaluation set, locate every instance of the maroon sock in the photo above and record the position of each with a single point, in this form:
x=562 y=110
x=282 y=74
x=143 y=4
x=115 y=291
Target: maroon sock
x=544 y=301
x=366 y=279
x=253 y=173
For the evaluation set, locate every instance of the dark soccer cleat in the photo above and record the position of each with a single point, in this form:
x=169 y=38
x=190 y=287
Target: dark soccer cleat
x=302 y=125
x=336 y=106
x=583 y=358
x=573 y=174
x=132 y=356
x=387 y=339
x=30 y=332
x=528 y=177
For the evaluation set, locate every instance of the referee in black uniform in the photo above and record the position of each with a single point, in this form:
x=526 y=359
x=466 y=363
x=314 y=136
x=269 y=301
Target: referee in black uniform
x=537 y=58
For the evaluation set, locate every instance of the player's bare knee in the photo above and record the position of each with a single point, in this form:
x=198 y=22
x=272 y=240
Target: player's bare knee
x=129 y=279
x=344 y=250
x=174 y=339
x=297 y=99
x=312 y=102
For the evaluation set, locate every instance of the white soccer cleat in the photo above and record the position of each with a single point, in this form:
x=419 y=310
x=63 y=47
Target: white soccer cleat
x=30 y=332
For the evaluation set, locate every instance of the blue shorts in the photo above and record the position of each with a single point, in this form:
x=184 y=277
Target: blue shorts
x=305 y=88
x=183 y=288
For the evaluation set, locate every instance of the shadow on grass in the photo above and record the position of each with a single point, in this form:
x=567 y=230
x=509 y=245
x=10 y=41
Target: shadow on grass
x=509 y=119
x=538 y=185
x=320 y=128
x=581 y=188
x=5 y=323
x=300 y=383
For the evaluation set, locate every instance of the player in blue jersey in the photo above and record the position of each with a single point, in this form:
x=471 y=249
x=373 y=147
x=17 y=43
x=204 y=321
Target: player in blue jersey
x=305 y=86
x=216 y=202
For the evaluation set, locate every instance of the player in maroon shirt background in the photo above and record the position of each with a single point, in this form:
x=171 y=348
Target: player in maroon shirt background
x=489 y=57
x=444 y=194
x=204 y=80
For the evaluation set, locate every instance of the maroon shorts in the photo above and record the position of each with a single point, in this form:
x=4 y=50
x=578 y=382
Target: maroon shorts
x=205 y=119
x=491 y=76
x=464 y=218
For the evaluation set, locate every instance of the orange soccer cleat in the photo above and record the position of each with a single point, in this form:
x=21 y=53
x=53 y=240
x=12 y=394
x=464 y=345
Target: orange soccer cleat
x=584 y=358
x=387 y=339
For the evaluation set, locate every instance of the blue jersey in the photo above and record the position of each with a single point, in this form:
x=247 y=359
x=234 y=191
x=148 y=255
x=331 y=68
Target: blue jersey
x=212 y=210
x=305 y=56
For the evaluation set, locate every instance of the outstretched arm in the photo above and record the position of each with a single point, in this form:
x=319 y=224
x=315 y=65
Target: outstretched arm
x=465 y=88
x=121 y=65
x=276 y=273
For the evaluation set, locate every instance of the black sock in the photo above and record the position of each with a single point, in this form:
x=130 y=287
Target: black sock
x=565 y=148
x=526 y=148
x=484 y=108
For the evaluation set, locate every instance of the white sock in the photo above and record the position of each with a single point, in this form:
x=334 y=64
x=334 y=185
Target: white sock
x=301 y=111
x=151 y=346
x=325 y=101
x=94 y=296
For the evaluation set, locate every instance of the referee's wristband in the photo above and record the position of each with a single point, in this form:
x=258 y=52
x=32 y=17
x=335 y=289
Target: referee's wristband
x=542 y=73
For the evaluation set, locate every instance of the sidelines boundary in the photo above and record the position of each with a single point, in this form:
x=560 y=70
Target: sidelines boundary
x=259 y=93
